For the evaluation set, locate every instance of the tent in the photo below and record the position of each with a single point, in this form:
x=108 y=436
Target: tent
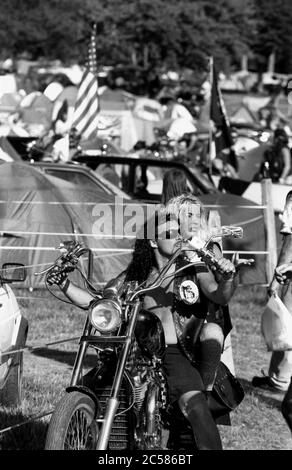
x=10 y=154
x=8 y=83
x=243 y=115
x=36 y=112
x=120 y=116
x=250 y=161
x=37 y=212
x=9 y=102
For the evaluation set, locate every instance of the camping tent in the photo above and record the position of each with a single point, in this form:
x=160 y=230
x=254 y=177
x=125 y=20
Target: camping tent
x=250 y=162
x=120 y=116
x=37 y=212
x=36 y=112
x=7 y=151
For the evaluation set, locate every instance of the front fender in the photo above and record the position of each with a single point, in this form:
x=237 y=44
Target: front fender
x=89 y=392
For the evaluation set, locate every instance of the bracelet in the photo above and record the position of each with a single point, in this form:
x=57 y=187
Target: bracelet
x=65 y=287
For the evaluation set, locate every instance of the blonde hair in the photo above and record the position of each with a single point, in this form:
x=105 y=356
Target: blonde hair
x=176 y=204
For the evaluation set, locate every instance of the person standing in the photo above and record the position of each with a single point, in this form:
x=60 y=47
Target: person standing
x=280 y=367
x=283 y=275
x=277 y=158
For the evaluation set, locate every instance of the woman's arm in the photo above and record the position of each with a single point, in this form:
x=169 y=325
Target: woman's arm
x=75 y=294
x=82 y=297
x=220 y=291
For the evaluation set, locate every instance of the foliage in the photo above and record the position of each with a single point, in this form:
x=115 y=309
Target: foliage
x=275 y=34
x=149 y=33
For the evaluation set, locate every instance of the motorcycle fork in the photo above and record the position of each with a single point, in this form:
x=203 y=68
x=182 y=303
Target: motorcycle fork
x=82 y=348
x=113 y=401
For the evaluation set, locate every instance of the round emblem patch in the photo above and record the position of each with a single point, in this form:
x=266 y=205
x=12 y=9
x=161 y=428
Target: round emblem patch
x=189 y=292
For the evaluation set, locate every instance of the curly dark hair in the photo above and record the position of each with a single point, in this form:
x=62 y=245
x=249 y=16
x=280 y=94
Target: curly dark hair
x=143 y=260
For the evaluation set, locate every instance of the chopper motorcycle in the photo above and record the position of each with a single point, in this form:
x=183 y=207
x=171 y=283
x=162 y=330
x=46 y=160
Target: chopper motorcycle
x=121 y=403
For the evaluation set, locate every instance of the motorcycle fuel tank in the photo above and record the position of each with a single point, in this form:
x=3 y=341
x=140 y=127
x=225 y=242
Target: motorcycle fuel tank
x=149 y=334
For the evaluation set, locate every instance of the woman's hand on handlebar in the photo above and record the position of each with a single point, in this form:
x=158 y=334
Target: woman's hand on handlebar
x=229 y=268
x=225 y=267
x=57 y=276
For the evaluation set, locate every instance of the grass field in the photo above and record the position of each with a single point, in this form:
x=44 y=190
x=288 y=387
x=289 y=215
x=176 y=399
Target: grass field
x=257 y=424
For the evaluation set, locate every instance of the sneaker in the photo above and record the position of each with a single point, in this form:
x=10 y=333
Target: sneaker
x=265 y=383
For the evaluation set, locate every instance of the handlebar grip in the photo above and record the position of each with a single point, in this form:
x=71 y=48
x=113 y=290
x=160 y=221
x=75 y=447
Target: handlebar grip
x=231 y=231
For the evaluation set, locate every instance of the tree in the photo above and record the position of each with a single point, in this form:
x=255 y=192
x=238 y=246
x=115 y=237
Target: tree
x=149 y=33
x=275 y=33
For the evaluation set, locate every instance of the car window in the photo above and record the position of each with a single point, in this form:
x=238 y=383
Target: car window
x=76 y=177
x=116 y=173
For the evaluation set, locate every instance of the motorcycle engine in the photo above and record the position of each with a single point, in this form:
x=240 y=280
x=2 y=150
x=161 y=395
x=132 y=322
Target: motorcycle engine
x=140 y=382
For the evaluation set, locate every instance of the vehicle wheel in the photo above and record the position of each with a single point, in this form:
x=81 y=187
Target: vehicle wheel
x=72 y=426
x=10 y=395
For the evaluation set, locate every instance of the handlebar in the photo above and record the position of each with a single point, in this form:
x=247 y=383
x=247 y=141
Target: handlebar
x=71 y=252
x=204 y=254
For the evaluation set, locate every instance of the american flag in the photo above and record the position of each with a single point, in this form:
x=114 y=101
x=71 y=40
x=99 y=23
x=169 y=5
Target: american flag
x=85 y=118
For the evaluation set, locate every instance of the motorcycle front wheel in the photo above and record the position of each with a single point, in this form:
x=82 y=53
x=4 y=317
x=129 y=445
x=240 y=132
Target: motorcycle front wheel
x=72 y=426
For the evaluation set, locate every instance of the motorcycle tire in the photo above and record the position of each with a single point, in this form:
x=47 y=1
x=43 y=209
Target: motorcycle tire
x=73 y=425
x=11 y=393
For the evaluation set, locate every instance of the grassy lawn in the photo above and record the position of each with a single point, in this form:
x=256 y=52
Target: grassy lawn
x=257 y=424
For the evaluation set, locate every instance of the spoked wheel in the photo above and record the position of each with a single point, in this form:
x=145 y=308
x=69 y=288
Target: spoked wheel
x=72 y=426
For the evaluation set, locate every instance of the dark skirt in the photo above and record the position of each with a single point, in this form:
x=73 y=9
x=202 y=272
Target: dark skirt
x=181 y=375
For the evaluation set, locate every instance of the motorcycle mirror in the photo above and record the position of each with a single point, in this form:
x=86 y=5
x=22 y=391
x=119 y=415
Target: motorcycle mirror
x=13 y=272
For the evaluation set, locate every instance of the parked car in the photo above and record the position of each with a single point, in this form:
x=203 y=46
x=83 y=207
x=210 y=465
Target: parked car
x=81 y=176
x=13 y=334
x=141 y=178
x=233 y=209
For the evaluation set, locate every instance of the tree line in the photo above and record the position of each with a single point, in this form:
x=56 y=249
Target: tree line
x=150 y=33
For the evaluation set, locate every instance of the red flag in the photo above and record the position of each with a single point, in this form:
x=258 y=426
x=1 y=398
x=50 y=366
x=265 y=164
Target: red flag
x=85 y=118
x=222 y=133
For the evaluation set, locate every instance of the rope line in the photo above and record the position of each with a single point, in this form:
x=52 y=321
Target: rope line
x=120 y=251
x=128 y=202
x=29 y=420
x=41 y=346
x=16 y=232
x=52 y=248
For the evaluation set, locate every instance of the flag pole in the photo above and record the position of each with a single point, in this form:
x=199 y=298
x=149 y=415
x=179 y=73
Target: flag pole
x=211 y=78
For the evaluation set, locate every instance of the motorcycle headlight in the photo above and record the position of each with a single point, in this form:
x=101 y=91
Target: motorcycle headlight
x=106 y=315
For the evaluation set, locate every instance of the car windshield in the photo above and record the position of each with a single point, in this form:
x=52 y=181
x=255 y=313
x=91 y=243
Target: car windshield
x=78 y=178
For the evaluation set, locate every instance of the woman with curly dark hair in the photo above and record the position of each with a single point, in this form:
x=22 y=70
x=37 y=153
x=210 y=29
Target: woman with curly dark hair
x=182 y=305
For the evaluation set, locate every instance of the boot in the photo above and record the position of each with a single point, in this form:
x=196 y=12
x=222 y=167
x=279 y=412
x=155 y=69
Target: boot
x=205 y=431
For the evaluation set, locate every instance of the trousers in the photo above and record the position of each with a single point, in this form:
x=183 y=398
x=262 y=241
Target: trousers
x=280 y=369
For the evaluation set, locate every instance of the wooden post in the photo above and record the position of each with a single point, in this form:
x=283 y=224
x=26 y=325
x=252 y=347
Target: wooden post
x=270 y=228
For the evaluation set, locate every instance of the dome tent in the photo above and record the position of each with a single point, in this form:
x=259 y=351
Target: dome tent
x=37 y=212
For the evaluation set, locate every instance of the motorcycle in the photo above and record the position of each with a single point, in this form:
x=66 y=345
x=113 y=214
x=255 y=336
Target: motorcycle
x=121 y=403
